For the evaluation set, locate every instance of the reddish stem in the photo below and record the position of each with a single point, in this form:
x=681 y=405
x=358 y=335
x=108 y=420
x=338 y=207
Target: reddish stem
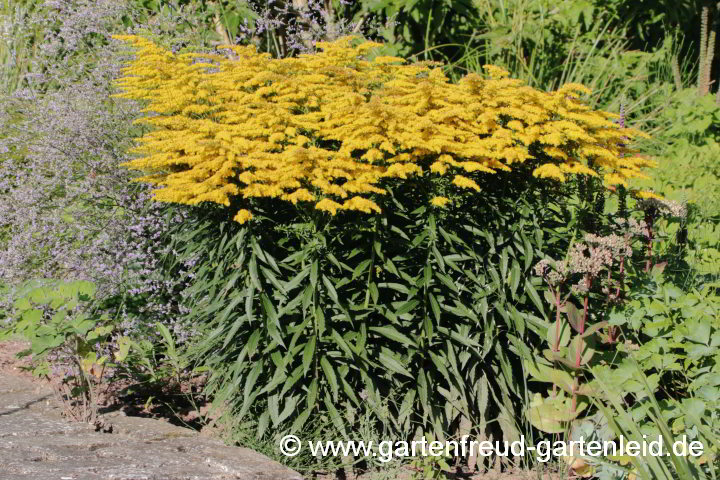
x=649 y=221
x=556 y=347
x=581 y=327
x=619 y=289
x=581 y=342
x=621 y=278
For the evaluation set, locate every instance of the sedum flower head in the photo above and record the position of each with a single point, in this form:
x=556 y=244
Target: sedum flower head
x=329 y=128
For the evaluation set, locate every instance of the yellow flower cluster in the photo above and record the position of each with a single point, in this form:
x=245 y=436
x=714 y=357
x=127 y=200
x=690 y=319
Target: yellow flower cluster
x=329 y=127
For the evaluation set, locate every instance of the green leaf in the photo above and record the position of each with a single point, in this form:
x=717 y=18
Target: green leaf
x=594 y=328
x=388 y=359
x=124 y=344
x=586 y=354
x=361 y=268
x=308 y=354
x=331 y=290
x=32 y=316
x=297 y=280
x=560 y=332
x=438 y=257
x=290 y=405
x=320 y=320
x=435 y=306
x=575 y=316
x=40 y=345
x=22 y=304
x=427 y=275
x=504 y=263
x=407 y=307
x=312 y=393
x=518 y=320
x=447 y=281
x=528 y=252
x=698 y=330
x=340 y=341
x=551 y=415
x=514 y=277
x=299 y=422
x=167 y=338
x=314 y=273
x=374 y=293
x=250 y=384
x=253 y=270
x=335 y=415
x=330 y=376
x=545 y=373
x=269 y=309
x=273 y=408
x=263 y=423
x=393 y=334
x=82 y=324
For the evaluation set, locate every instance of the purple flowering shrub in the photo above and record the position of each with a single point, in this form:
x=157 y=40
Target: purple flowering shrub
x=69 y=210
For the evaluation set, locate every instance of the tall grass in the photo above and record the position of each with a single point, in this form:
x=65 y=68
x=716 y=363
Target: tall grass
x=550 y=44
x=18 y=42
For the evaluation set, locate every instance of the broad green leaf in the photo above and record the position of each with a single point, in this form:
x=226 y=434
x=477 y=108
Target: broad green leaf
x=123 y=344
x=545 y=373
x=699 y=330
x=575 y=316
x=32 y=316
x=558 y=335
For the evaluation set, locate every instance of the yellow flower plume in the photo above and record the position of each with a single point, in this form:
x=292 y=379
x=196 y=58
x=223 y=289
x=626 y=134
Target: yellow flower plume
x=329 y=129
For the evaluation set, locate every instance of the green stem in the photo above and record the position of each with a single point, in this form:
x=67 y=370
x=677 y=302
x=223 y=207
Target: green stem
x=372 y=264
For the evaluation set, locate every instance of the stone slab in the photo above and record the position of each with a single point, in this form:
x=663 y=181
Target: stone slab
x=36 y=443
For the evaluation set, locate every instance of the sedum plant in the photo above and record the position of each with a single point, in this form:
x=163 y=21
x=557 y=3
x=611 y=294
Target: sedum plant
x=640 y=319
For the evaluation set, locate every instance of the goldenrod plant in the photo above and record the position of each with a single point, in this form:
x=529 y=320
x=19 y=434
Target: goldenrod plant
x=328 y=128
x=313 y=317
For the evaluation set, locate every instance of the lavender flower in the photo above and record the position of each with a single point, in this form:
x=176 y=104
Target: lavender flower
x=68 y=209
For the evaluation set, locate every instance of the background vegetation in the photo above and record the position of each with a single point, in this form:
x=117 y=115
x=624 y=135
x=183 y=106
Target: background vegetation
x=419 y=320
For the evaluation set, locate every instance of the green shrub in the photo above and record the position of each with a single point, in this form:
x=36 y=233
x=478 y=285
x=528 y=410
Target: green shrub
x=306 y=317
x=668 y=383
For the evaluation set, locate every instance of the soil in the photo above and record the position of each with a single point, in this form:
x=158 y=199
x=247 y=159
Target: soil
x=9 y=363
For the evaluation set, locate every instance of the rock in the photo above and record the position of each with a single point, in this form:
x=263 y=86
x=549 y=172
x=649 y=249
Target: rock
x=36 y=443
